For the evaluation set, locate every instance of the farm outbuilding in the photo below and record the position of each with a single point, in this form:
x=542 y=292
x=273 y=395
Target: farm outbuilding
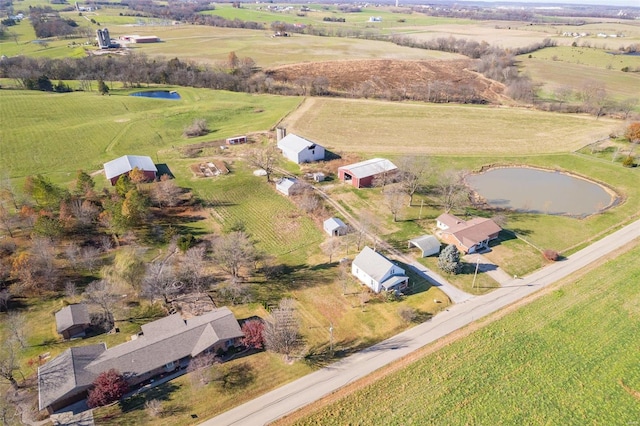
x=236 y=140
x=428 y=245
x=287 y=185
x=73 y=321
x=123 y=165
x=335 y=227
x=300 y=150
x=362 y=174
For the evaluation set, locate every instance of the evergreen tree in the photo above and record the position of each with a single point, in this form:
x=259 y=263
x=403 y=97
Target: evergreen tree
x=449 y=260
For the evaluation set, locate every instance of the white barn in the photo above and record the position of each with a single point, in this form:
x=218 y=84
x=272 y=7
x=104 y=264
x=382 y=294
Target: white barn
x=299 y=150
x=377 y=272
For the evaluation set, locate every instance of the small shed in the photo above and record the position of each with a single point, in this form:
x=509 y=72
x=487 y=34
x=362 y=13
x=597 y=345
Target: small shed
x=73 y=320
x=236 y=140
x=428 y=245
x=287 y=185
x=318 y=176
x=335 y=227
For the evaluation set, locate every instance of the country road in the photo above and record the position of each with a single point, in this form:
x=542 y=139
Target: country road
x=288 y=398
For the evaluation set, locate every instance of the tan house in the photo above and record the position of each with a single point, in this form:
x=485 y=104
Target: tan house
x=469 y=236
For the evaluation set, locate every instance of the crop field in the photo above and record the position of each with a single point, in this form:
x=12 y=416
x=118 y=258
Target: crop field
x=94 y=129
x=210 y=45
x=560 y=73
x=565 y=358
x=386 y=128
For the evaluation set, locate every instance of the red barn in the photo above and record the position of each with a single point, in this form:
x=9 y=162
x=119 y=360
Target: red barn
x=361 y=174
x=123 y=165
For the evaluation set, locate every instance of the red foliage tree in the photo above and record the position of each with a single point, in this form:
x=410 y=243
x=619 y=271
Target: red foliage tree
x=551 y=255
x=108 y=387
x=253 y=330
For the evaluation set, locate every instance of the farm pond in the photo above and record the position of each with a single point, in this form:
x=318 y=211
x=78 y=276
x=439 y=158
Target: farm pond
x=540 y=191
x=158 y=94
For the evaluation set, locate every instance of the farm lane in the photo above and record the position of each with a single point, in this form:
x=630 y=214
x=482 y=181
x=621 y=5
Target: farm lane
x=290 y=397
x=455 y=294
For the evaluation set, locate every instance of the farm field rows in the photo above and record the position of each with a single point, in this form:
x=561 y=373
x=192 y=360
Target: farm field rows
x=563 y=359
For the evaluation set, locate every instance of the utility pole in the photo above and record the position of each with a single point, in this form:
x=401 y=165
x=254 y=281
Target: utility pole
x=475 y=274
x=331 y=338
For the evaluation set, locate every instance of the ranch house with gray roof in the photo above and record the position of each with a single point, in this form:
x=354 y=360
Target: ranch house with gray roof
x=163 y=346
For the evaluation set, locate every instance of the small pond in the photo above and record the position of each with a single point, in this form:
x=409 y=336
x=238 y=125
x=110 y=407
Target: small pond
x=159 y=94
x=540 y=191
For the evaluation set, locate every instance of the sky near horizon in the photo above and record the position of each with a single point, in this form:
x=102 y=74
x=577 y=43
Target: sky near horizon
x=633 y=3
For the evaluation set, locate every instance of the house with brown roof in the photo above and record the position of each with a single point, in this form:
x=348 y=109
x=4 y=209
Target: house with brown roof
x=469 y=236
x=73 y=321
x=163 y=346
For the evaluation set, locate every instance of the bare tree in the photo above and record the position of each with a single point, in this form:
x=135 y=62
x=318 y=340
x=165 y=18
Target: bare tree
x=452 y=189
x=393 y=199
x=200 y=370
x=9 y=362
x=166 y=192
x=8 y=219
x=563 y=94
x=282 y=330
x=192 y=268
x=234 y=252
x=308 y=200
x=100 y=293
x=5 y=296
x=264 y=158
x=331 y=247
x=160 y=281
x=628 y=105
x=17 y=326
x=414 y=174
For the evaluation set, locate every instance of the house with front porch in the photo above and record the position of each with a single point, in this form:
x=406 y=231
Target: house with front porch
x=377 y=272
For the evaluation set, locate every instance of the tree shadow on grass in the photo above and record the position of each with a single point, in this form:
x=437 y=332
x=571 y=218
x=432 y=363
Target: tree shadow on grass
x=161 y=392
x=237 y=377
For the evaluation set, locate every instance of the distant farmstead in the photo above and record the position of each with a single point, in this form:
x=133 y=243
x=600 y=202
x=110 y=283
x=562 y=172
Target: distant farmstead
x=140 y=39
x=362 y=174
x=123 y=165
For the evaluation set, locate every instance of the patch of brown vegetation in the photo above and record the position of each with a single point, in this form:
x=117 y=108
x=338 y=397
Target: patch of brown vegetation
x=389 y=77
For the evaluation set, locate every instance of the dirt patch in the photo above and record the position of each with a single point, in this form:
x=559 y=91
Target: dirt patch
x=439 y=80
x=209 y=168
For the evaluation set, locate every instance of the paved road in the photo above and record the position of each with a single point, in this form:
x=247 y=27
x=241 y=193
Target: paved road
x=314 y=386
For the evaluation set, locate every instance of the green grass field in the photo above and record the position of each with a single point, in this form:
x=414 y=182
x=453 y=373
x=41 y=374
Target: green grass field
x=57 y=134
x=567 y=358
x=436 y=129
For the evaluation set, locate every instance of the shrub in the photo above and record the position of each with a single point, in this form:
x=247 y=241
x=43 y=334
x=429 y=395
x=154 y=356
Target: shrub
x=629 y=161
x=108 y=387
x=253 y=334
x=407 y=313
x=197 y=128
x=551 y=255
x=154 y=407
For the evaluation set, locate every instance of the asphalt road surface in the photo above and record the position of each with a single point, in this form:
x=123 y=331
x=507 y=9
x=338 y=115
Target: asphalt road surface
x=314 y=386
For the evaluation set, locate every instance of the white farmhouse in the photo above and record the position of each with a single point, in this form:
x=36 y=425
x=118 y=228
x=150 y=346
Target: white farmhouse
x=377 y=272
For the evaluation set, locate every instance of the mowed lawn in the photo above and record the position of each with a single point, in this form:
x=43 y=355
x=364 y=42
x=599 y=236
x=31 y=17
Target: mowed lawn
x=346 y=125
x=569 y=357
x=57 y=134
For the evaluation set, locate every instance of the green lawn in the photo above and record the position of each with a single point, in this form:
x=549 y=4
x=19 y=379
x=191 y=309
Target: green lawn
x=94 y=129
x=567 y=358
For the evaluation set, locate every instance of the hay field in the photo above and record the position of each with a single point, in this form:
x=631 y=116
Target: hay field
x=210 y=45
x=361 y=126
x=554 y=74
x=57 y=134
